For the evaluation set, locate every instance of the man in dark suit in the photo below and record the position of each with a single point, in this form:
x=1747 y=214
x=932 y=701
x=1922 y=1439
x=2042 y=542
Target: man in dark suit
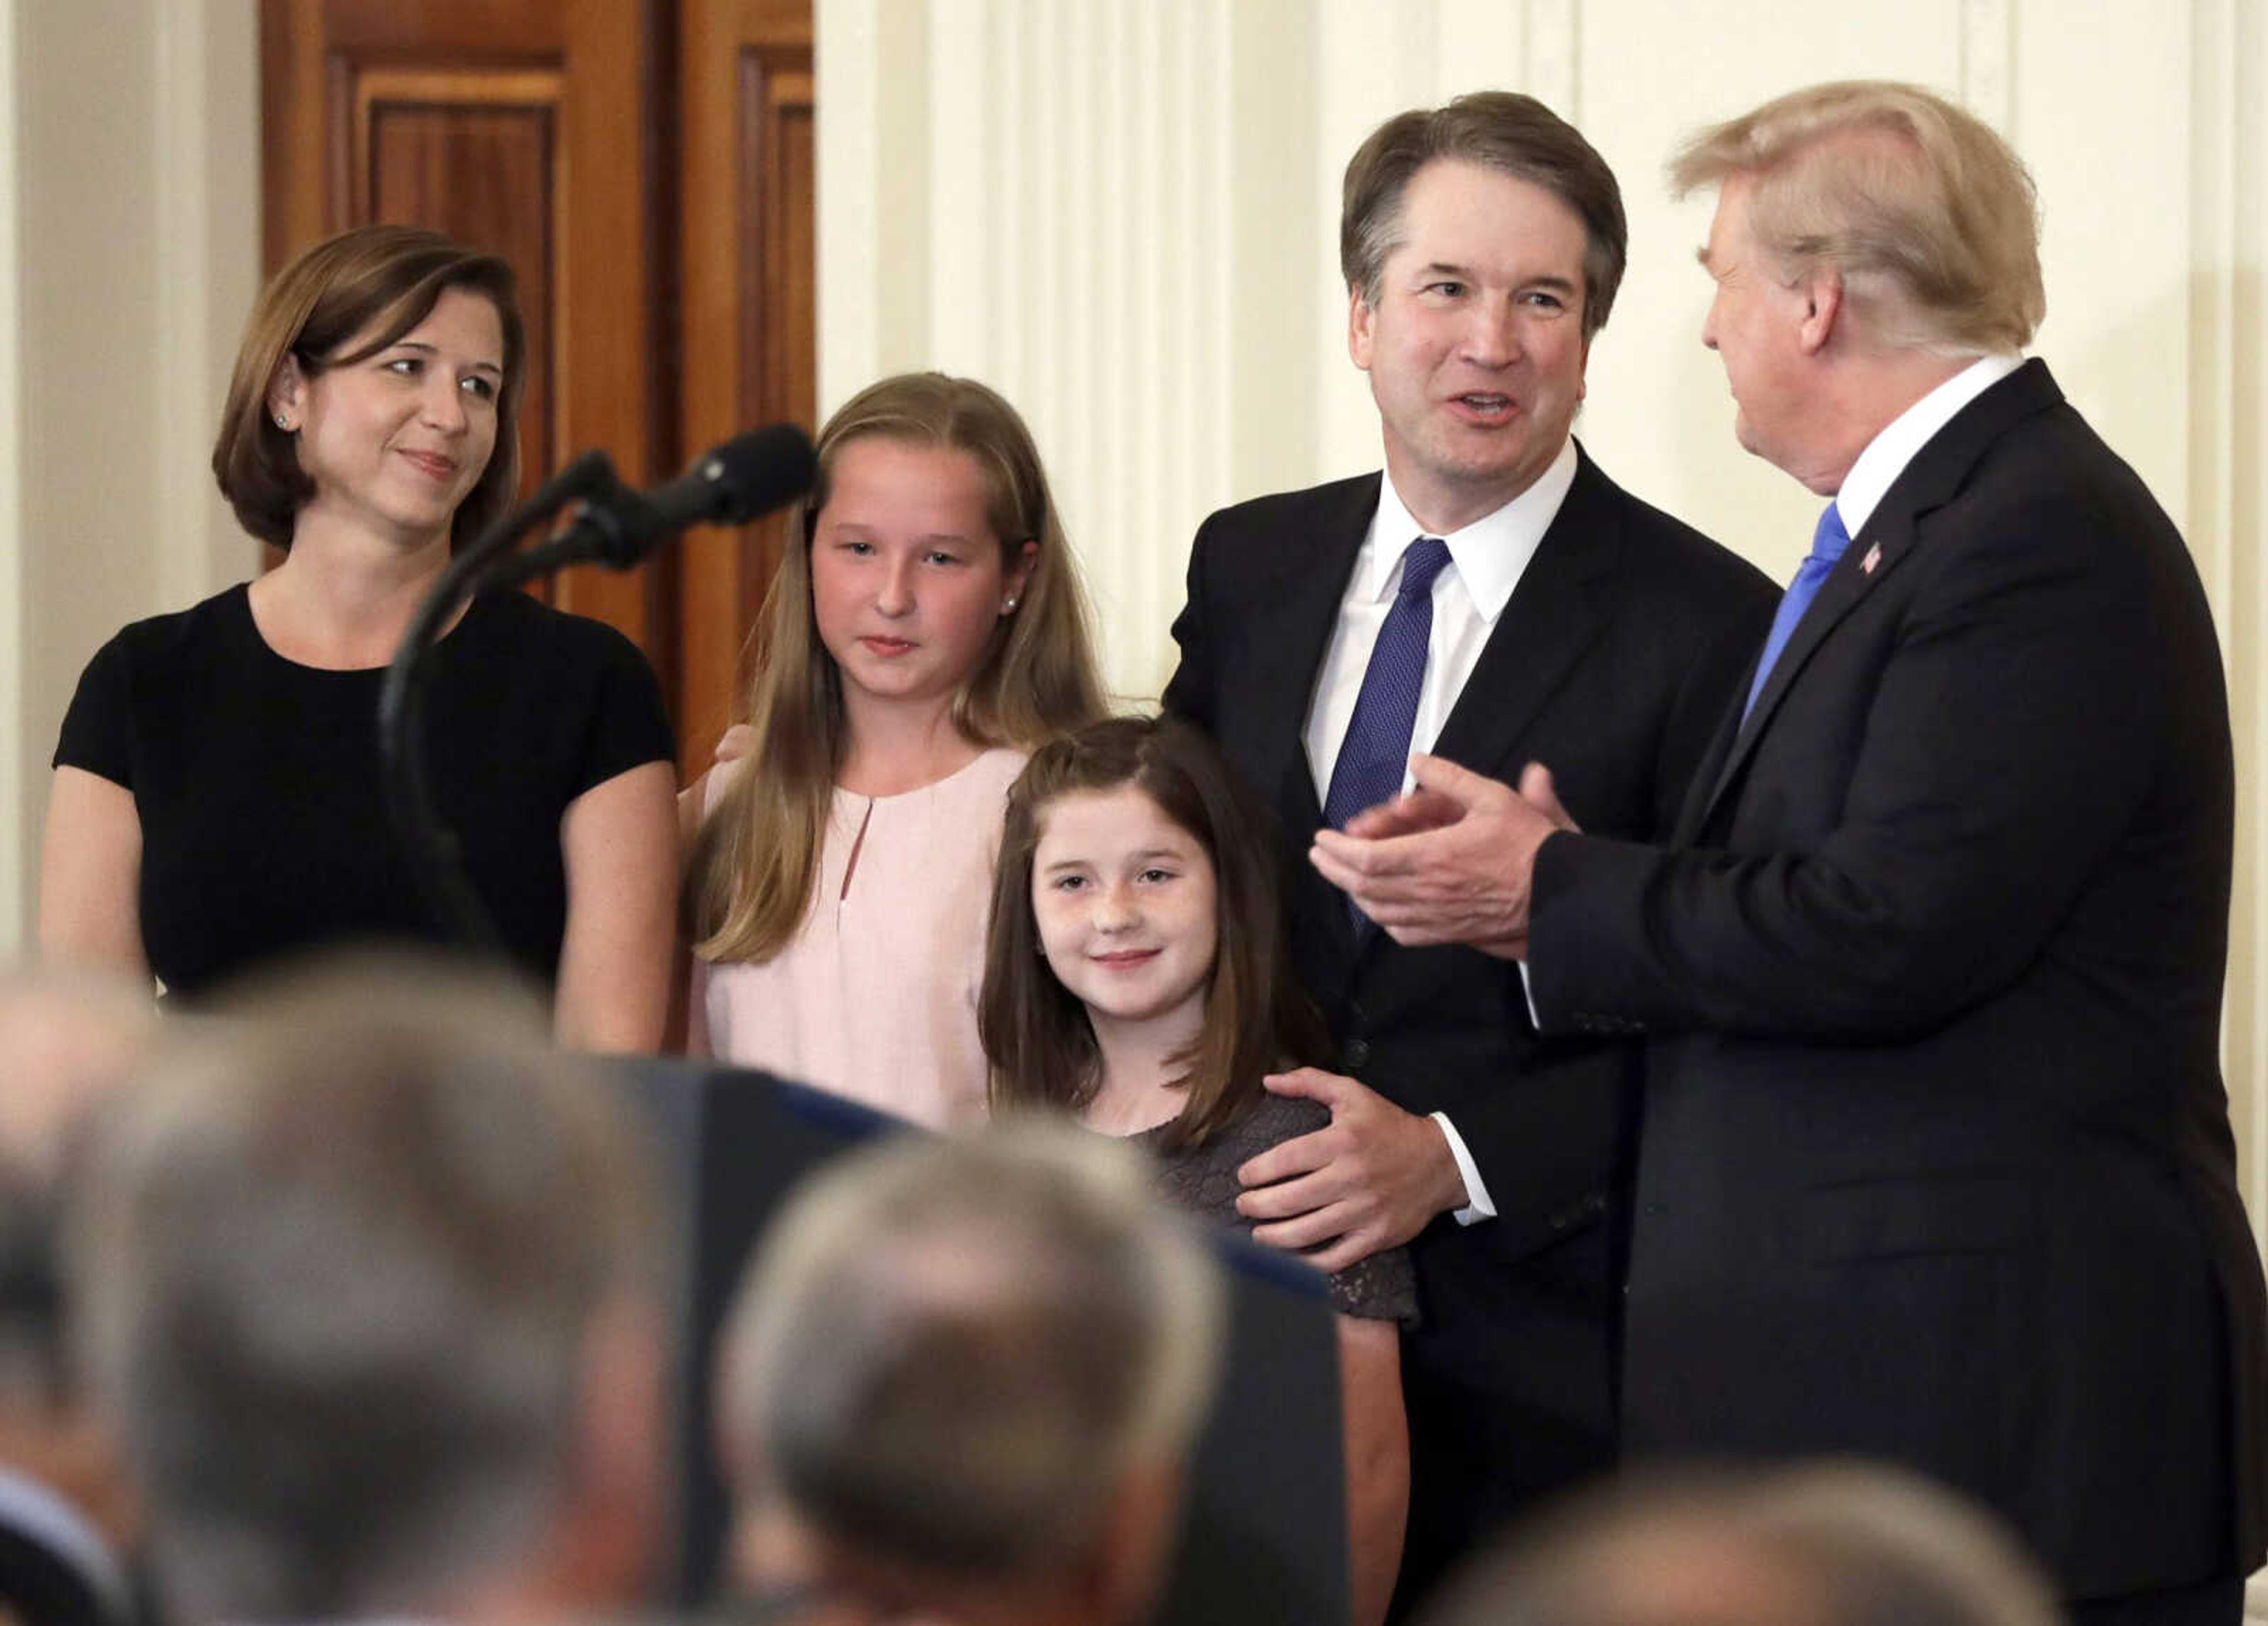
x=1497 y=598
x=1936 y=1162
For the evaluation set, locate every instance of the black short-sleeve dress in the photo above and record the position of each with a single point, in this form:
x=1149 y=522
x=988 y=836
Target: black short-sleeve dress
x=264 y=830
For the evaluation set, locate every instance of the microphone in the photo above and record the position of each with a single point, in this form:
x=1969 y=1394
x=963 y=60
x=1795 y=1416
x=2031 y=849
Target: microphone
x=748 y=475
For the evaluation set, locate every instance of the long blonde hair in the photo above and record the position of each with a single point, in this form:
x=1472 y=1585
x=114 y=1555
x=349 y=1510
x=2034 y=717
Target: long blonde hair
x=757 y=858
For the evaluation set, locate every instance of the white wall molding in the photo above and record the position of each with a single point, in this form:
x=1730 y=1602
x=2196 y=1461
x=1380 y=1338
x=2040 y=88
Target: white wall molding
x=2227 y=422
x=1988 y=80
x=1553 y=70
x=129 y=255
x=16 y=758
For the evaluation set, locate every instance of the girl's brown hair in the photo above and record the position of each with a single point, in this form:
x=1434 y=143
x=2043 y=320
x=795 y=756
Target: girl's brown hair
x=753 y=868
x=385 y=277
x=1036 y=1033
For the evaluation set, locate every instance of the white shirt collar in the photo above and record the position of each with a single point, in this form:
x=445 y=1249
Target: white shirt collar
x=27 y=1505
x=1490 y=554
x=1902 y=439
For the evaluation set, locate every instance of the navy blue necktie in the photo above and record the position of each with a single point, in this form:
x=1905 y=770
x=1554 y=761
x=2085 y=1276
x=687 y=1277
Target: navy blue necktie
x=1375 y=755
x=1828 y=542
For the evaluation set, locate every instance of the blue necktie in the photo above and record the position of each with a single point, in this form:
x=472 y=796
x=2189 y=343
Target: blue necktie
x=1828 y=542
x=1376 y=752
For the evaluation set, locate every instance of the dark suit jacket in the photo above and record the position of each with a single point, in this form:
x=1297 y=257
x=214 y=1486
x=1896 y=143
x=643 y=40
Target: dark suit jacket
x=1936 y=1163
x=1611 y=663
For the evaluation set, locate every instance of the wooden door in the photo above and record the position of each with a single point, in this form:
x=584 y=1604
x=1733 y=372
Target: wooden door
x=646 y=166
x=750 y=306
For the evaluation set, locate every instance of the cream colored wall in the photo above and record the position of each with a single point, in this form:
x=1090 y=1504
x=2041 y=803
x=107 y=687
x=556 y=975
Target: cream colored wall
x=1125 y=216
x=130 y=238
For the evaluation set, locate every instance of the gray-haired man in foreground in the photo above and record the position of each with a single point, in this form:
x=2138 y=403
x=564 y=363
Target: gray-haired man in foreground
x=366 y=1276
x=961 y=1382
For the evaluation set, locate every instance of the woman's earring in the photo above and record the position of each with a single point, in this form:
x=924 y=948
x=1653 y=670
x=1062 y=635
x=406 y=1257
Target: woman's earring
x=1008 y=604
x=282 y=422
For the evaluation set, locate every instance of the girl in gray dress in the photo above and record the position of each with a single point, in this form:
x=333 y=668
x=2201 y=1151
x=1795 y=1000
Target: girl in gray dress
x=1136 y=975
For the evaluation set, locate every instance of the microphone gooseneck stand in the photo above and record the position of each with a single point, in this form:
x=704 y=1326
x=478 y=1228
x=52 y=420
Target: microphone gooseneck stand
x=487 y=562
x=748 y=476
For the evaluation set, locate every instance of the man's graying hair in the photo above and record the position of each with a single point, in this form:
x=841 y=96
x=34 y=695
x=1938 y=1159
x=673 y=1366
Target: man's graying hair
x=951 y=1351
x=1831 y=1543
x=1514 y=134
x=342 y=1257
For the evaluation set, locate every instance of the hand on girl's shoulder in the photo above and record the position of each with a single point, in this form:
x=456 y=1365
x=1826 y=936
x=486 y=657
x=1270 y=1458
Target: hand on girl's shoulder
x=690 y=803
x=739 y=740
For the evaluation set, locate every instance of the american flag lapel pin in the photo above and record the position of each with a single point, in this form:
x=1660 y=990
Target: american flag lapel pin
x=1873 y=557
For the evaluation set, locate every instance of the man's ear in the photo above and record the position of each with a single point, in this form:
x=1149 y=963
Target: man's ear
x=1822 y=294
x=1358 y=320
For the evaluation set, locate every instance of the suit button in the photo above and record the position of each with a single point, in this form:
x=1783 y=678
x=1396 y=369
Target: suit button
x=1358 y=1052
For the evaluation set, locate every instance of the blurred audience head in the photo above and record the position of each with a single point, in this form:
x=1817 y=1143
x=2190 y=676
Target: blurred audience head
x=1830 y=1544
x=67 y=1042
x=961 y=1382
x=367 y=1274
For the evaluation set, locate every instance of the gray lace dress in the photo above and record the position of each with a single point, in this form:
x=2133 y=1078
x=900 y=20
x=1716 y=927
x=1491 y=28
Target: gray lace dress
x=1202 y=1180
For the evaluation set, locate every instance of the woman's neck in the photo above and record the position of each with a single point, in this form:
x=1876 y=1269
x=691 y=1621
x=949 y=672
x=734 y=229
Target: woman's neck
x=893 y=747
x=1139 y=1067
x=342 y=599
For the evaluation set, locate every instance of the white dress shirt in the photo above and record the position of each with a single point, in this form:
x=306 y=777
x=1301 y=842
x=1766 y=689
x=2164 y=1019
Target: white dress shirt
x=1902 y=439
x=1486 y=561
x=50 y=1520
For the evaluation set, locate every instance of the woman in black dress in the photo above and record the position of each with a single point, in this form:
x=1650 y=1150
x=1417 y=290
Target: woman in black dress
x=217 y=802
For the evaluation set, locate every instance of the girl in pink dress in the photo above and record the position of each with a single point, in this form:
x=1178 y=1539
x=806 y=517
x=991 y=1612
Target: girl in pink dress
x=926 y=631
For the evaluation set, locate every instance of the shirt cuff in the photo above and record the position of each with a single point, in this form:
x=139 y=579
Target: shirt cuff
x=1478 y=1204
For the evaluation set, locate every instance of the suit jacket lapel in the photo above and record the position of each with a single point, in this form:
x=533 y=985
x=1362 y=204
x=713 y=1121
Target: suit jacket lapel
x=1931 y=480
x=1553 y=615
x=1296 y=622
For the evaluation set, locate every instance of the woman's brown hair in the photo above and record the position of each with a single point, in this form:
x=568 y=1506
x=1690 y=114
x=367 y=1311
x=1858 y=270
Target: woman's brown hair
x=382 y=280
x=754 y=865
x=1036 y=1033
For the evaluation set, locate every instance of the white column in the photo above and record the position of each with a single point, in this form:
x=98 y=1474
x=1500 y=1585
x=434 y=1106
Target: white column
x=2223 y=429
x=129 y=253
x=15 y=867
